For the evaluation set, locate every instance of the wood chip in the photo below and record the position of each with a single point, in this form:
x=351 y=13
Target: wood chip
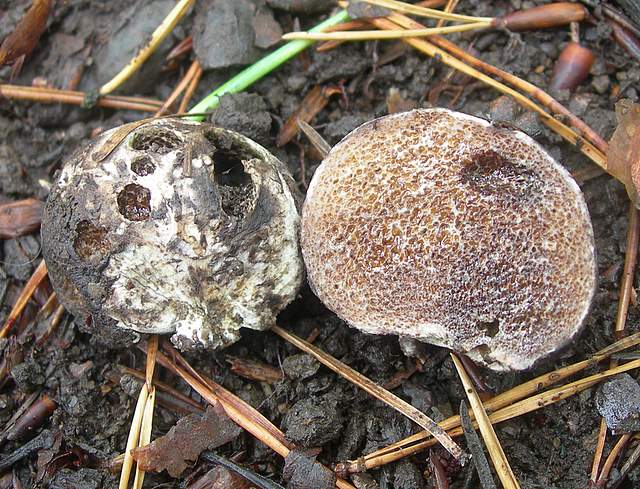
x=20 y=218
x=252 y=370
x=623 y=156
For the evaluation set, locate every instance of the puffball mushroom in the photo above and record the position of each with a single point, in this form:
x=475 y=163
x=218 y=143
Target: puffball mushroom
x=441 y=227
x=183 y=228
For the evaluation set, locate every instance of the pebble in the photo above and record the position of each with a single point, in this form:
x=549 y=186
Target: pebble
x=301 y=366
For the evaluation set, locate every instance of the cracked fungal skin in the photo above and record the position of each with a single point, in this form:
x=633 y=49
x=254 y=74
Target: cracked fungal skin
x=441 y=227
x=184 y=228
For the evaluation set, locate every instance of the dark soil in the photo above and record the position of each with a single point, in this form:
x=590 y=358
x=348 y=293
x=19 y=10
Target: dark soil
x=551 y=448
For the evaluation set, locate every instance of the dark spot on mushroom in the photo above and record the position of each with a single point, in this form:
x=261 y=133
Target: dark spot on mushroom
x=491 y=328
x=490 y=173
x=90 y=243
x=134 y=202
x=155 y=140
x=143 y=166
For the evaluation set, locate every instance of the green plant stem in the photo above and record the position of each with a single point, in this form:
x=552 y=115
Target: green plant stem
x=261 y=68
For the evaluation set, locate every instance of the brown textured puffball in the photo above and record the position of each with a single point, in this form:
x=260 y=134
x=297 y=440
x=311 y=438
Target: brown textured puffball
x=441 y=227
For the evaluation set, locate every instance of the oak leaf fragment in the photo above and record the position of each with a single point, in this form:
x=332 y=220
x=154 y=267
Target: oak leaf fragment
x=182 y=445
x=623 y=156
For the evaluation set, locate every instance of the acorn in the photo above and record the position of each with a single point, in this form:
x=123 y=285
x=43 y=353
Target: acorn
x=181 y=228
x=443 y=228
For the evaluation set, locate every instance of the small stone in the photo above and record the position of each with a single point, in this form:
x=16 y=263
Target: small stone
x=223 y=33
x=314 y=421
x=27 y=375
x=245 y=113
x=601 y=84
x=503 y=109
x=407 y=476
x=301 y=366
x=267 y=30
x=302 y=6
x=618 y=401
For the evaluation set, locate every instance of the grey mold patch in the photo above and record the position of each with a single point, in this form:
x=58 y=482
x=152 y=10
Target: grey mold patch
x=184 y=228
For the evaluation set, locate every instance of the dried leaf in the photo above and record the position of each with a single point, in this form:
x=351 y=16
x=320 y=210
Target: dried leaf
x=312 y=103
x=623 y=157
x=220 y=478
x=252 y=370
x=25 y=36
x=303 y=472
x=397 y=103
x=176 y=450
x=20 y=218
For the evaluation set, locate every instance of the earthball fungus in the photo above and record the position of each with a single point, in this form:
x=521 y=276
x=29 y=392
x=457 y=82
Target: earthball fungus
x=441 y=227
x=174 y=226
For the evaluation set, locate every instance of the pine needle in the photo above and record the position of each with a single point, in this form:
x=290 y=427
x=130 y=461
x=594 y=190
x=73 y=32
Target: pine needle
x=376 y=391
x=498 y=457
x=420 y=441
x=134 y=437
x=145 y=433
x=408 y=8
x=159 y=35
x=382 y=35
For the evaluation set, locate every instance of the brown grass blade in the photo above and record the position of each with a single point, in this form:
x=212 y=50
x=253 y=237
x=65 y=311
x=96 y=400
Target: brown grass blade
x=498 y=457
x=145 y=433
x=376 y=391
x=190 y=90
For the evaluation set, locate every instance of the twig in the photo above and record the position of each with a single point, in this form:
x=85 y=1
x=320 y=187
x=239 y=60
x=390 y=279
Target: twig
x=239 y=411
x=498 y=457
x=414 y=443
x=54 y=96
x=164 y=387
x=628 y=465
x=626 y=284
x=408 y=8
x=586 y=146
x=134 y=436
x=376 y=391
x=260 y=481
x=159 y=35
x=630 y=259
x=39 y=274
x=180 y=87
x=381 y=35
x=616 y=451
x=184 y=103
x=475 y=447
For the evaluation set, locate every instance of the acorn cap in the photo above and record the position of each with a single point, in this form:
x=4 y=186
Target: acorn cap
x=439 y=226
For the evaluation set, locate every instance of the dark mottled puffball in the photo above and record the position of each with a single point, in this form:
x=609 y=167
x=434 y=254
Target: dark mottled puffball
x=441 y=227
x=618 y=402
x=182 y=228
